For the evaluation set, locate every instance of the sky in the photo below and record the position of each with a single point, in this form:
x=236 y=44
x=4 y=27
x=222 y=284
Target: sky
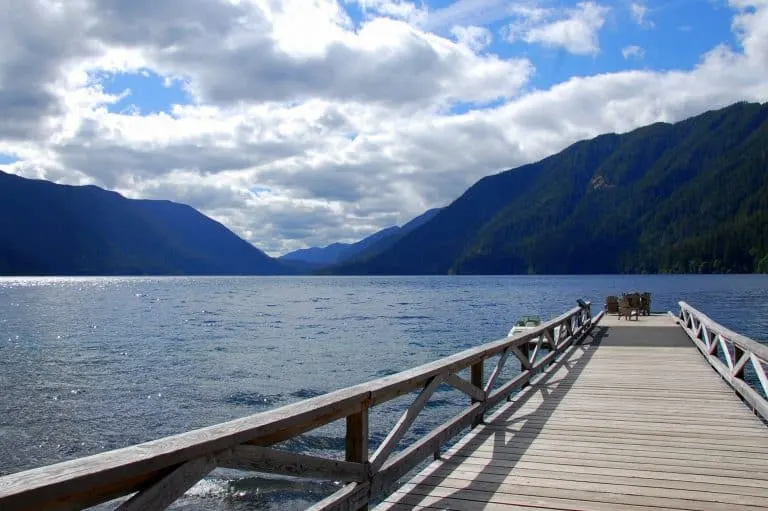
x=304 y=122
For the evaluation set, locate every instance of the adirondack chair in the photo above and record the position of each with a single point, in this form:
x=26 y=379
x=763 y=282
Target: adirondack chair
x=645 y=304
x=626 y=309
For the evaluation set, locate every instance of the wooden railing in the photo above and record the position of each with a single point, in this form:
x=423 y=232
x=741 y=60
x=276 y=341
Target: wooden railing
x=730 y=353
x=160 y=471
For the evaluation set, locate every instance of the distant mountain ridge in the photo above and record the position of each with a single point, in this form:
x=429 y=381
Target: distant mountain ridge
x=687 y=197
x=337 y=253
x=52 y=229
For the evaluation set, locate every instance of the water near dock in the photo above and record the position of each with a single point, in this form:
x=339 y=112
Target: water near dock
x=94 y=364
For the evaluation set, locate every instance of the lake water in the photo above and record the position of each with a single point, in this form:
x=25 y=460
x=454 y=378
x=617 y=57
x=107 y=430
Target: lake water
x=92 y=364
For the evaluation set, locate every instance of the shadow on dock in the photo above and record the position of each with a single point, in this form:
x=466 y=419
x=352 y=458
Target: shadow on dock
x=552 y=389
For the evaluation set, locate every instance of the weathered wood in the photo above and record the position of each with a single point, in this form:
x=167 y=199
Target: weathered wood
x=477 y=375
x=466 y=387
x=265 y=459
x=597 y=432
x=351 y=497
x=741 y=358
x=170 y=487
x=521 y=352
x=757 y=365
x=404 y=461
x=743 y=342
x=708 y=335
x=522 y=380
x=356 y=440
x=405 y=422
x=356 y=443
x=497 y=370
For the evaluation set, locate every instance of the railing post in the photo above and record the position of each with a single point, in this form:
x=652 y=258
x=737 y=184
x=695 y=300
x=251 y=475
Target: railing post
x=737 y=354
x=525 y=349
x=477 y=381
x=356 y=440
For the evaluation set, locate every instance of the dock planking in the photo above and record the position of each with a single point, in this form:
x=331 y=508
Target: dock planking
x=634 y=418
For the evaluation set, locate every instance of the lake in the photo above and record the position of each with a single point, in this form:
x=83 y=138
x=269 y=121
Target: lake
x=92 y=364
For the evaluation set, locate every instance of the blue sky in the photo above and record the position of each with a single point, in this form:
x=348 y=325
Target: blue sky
x=672 y=34
x=144 y=92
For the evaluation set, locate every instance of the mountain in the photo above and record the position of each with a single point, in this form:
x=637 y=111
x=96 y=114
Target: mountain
x=685 y=197
x=51 y=229
x=335 y=253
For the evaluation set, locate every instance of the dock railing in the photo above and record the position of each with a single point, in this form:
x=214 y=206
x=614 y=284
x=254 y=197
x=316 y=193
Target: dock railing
x=158 y=472
x=730 y=353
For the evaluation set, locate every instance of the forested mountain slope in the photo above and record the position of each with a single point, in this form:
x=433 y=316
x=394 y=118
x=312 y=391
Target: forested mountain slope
x=684 y=197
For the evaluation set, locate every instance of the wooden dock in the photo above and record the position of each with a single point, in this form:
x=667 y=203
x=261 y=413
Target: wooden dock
x=634 y=419
x=659 y=412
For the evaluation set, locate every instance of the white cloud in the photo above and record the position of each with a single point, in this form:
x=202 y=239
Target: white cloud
x=633 y=51
x=475 y=38
x=574 y=29
x=306 y=129
x=751 y=27
x=639 y=12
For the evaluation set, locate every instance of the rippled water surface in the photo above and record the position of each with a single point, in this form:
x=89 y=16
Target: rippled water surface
x=91 y=364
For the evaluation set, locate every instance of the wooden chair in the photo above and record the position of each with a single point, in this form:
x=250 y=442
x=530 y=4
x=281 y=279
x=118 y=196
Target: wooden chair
x=645 y=304
x=612 y=305
x=626 y=309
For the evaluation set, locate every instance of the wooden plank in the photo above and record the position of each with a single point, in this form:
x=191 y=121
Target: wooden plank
x=473 y=472
x=466 y=387
x=496 y=370
x=356 y=440
x=415 y=503
x=525 y=363
x=706 y=433
x=731 y=444
x=429 y=486
x=513 y=460
x=663 y=457
x=703 y=494
x=163 y=492
x=401 y=426
x=351 y=497
x=274 y=461
x=566 y=443
x=675 y=421
x=471 y=499
x=640 y=415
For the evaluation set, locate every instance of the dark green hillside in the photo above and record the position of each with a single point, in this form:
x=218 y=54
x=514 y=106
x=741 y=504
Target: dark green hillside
x=50 y=229
x=686 y=197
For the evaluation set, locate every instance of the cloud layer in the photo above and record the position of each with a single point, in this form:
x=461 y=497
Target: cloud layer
x=307 y=126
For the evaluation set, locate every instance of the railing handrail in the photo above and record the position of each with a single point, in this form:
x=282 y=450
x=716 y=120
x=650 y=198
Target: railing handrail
x=742 y=341
x=179 y=461
x=737 y=350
